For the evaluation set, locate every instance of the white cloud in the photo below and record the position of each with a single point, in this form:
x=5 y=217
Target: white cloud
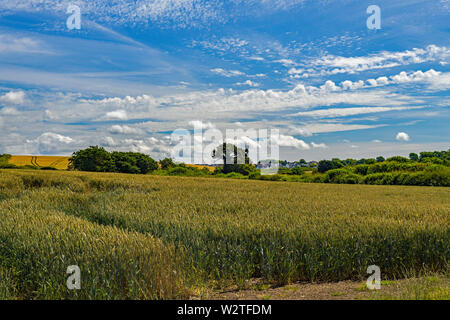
x=347 y=84
x=13 y=97
x=403 y=77
x=330 y=86
x=108 y=142
x=295 y=71
x=343 y=112
x=17 y=44
x=318 y=145
x=441 y=82
x=9 y=111
x=48 y=115
x=430 y=76
x=286 y=62
x=229 y=104
x=117 y=115
x=337 y=64
x=200 y=125
x=227 y=44
x=256 y=58
x=289 y=141
x=248 y=83
x=118 y=129
x=402 y=136
x=227 y=73
x=302 y=131
x=50 y=142
x=337 y=127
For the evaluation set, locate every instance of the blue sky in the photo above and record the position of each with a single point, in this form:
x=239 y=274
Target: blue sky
x=138 y=70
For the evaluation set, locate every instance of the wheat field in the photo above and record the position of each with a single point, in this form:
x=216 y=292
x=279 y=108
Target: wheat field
x=157 y=237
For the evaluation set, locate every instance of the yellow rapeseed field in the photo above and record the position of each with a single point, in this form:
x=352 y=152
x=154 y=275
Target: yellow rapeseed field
x=210 y=168
x=56 y=162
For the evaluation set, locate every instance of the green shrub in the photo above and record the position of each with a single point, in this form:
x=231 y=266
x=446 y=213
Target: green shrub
x=361 y=169
x=332 y=175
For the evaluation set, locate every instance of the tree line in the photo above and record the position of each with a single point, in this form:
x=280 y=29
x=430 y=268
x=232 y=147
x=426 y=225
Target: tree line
x=425 y=168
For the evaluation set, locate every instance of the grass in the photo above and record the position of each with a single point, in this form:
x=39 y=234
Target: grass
x=156 y=237
x=435 y=287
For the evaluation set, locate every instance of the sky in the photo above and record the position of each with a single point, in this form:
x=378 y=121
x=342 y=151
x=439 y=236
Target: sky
x=136 y=71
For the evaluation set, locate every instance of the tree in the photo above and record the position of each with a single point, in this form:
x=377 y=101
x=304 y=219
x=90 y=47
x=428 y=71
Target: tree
x=232 y=157
x=167 y=163
x=145 y=163
x=380 y=159
x=133 y=162
x=413 y=156
x=92 y=159
x=325 y=165
x=370 y=161
x=99 y=160
x=297 y=171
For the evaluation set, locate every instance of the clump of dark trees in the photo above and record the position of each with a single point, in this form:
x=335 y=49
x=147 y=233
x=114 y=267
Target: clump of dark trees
x=97 y=159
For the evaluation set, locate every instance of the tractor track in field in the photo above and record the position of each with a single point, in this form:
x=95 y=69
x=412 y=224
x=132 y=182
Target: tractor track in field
x=34 y=161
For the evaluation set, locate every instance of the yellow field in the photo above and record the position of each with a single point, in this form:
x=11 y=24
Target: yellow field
x=60 y=163
x=201 y=167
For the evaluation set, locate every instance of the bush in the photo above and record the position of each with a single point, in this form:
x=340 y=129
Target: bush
x=7 y=166
x=177 y=171
x=254 y=175
x=325 y=165
x=332 y=175
x=48 y=168
x=349 y=178
x=234 y=175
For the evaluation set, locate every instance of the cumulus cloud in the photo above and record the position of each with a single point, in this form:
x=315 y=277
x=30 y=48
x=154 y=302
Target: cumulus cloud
x=13 y=97
x=117 y=115
x=50 y=142
x=330 y=64
x=108 y=142
x=402 y=136
x=430 y=76
x=289 y=141
x=118 y=129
